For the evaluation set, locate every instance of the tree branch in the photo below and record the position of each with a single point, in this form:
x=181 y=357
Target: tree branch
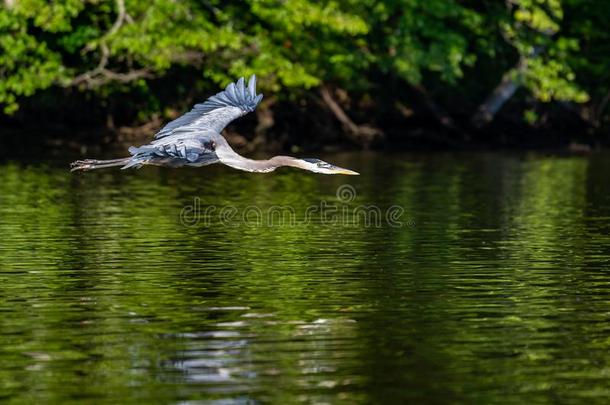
x=439 y=113
x=120 y=19
x=362 y=134
x=100 y=75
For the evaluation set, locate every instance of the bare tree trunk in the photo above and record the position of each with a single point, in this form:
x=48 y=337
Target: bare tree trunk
x=361 y=134
x=501 y=94
x=508 y=86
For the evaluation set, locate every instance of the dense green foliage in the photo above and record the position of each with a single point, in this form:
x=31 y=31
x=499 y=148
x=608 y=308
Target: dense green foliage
x=555 y=49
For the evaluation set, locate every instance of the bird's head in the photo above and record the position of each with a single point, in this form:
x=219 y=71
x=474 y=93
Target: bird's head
x=320 y=166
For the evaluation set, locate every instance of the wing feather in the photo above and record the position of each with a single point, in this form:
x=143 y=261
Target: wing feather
x=217 y=111
x=230 y=92
x=252 y=88
x=241 y=89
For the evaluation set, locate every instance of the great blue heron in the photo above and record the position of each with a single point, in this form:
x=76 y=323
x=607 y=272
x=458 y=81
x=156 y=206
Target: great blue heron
x=194 y=139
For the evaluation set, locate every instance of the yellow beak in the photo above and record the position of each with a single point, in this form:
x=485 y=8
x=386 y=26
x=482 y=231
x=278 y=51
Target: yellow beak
x=341 y=170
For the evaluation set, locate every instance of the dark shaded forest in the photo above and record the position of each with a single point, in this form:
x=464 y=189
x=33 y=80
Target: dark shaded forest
x=336 y=74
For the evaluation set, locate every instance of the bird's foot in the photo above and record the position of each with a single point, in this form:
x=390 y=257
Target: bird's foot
x=82 y=165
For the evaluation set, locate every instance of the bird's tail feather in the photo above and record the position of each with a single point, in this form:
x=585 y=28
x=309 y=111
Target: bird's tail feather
x=92 y=164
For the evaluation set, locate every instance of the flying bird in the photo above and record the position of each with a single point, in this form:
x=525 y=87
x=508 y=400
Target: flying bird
x=195 y=139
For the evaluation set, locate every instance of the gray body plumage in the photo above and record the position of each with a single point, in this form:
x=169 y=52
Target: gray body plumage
x=176 y=151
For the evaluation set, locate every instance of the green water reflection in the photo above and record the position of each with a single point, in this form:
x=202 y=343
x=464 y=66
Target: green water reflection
x=494 y=289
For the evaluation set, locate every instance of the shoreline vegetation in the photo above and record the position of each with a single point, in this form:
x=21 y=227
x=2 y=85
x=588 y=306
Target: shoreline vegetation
x=435 y=74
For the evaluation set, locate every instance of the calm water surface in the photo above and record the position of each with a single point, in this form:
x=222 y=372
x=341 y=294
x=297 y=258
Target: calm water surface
x=494 y=287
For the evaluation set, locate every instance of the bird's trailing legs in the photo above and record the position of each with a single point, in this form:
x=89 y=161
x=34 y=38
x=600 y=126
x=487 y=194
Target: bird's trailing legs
x=91 y=164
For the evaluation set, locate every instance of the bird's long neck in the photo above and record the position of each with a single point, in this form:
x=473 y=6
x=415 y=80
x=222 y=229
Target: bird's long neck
x=262 y=166
x=229 y=157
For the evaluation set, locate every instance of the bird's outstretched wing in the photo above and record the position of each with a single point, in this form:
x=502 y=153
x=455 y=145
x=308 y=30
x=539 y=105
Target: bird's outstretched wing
x=217 y=111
